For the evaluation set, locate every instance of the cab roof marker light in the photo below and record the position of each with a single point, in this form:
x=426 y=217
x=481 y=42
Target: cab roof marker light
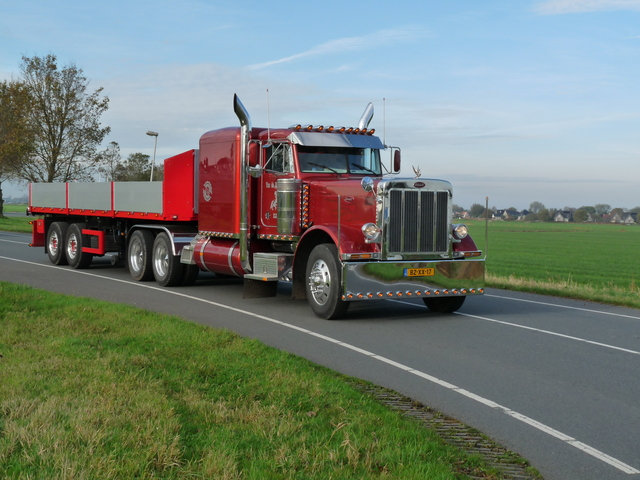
x=320 y=128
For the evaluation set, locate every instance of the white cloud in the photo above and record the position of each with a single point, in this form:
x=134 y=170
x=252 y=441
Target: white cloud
x=553 y=7
x=350 y=44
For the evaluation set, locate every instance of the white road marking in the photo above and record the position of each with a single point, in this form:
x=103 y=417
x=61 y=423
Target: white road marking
x=564 y=306
x=13 y=241
x=491 y=404
x=538 y=330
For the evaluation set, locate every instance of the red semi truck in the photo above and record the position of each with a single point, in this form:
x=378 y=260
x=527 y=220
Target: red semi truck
x=305 y=204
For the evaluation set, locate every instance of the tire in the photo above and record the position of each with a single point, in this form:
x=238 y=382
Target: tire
x=55 y=242
x=167 y=268
x=444 y=304
x=324 y=282
x=189 y=274
x=74 y=243
x=139 y=255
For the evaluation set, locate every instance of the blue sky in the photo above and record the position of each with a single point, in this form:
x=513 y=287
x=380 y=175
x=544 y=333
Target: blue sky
x=518 y=101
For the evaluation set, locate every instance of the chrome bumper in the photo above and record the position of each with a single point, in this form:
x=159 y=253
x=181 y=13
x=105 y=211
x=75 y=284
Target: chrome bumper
x=374 y=280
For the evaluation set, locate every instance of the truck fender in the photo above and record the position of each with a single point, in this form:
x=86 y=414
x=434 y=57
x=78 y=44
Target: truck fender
x=312 y=237
x=179 y=235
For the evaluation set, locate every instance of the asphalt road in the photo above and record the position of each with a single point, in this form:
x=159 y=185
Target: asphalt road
x=554 y=380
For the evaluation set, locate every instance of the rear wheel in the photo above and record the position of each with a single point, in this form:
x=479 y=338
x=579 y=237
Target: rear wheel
x=167 y=268
x=444 y=304
x=74 y=245
x=55 y=242
x=324 y=282
x=139 y=255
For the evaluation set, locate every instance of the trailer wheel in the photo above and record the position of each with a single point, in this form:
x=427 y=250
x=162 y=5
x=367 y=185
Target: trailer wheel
x=444 y=304
x=139 y=255
x=74 y=244
x=167 y=268
x=324 y=281
x=55 y=242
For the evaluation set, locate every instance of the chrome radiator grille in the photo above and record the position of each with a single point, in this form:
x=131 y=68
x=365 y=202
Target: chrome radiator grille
x=417 y=222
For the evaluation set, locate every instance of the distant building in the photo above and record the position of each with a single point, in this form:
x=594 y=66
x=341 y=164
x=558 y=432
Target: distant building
x=563 y=216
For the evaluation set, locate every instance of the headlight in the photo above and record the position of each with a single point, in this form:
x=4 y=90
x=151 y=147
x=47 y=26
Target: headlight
x=460 y=231
x=371 y=232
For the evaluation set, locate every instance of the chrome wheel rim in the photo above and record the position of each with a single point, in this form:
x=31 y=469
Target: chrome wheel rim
x=54 y=243
x=136 y=256
x=161 y=259
x=320 y=282
x=72 y=246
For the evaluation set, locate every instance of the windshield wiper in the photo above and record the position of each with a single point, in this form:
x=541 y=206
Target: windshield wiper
x=323 y=166
x=361 y=167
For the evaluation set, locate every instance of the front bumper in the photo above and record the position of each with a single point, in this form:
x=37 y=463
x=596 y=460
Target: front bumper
x=374 y=280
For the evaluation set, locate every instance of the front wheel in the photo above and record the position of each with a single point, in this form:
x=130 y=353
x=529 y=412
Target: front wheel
x=324 y=277
x=444 y=304
x=167 y=268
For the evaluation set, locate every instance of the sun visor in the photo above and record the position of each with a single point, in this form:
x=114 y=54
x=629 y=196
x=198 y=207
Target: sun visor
x=318 y=139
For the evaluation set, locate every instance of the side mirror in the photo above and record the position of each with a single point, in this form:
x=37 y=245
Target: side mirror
x=367 y=184
x=254 y=154
x=396 y=161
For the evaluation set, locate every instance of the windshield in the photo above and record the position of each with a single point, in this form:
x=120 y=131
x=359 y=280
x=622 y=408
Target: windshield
x=361 y=161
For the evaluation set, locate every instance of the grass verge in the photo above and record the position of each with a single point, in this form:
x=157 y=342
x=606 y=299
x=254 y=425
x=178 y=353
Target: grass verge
x=594 y=262
x=97 y=390
x=15 y=224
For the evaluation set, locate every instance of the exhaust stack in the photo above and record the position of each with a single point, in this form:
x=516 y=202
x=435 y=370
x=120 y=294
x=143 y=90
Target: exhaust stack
x=366 y=117
x=245 y=129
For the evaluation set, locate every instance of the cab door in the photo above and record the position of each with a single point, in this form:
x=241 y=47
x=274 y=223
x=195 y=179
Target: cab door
x=277 y=161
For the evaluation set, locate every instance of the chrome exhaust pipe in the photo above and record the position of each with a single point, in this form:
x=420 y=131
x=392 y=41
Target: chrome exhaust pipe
x=245 y=129
x=366 y=117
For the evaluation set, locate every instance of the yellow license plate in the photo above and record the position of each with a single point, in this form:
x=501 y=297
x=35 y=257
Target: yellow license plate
x=419 y=272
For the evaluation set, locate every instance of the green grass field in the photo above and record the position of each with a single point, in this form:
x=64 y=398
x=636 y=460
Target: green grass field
x=91 y=389
x=15 y=224
x=591 y=261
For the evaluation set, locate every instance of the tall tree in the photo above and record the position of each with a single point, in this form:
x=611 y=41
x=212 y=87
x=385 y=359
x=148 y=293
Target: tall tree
x=137 y=168
x=602 y=208
x=476 y=210
x=65 y=119
x=110 y=162
x=15 y=134
x=535 y=207
x=580 y=215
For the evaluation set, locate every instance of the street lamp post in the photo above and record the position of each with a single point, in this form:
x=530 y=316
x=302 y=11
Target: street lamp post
x=155 y=144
